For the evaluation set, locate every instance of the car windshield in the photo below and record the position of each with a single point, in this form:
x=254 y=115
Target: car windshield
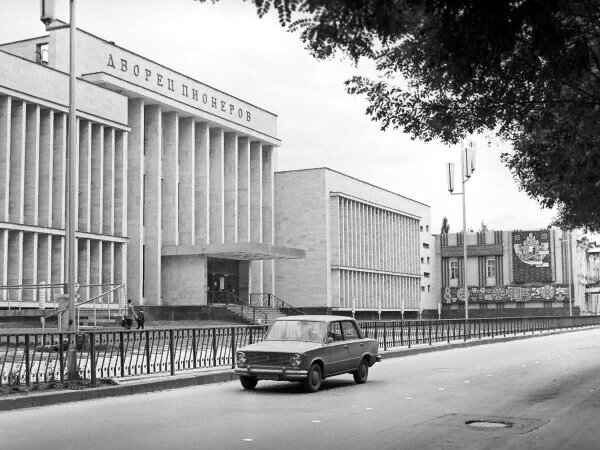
x=297 y=330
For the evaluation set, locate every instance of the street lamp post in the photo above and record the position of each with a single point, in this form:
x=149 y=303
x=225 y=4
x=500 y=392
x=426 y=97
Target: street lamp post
x=48 y=15
x=467 y=169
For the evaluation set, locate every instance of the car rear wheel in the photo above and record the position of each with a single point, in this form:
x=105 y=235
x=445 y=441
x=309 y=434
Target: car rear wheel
x=361 y=375
x=314 y=378
x=248 y=382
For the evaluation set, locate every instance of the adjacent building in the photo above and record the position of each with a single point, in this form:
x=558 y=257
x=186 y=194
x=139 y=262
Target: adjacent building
x=367 y=249
x=517 y=272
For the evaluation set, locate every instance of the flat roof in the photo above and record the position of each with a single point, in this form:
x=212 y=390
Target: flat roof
x=356 y=179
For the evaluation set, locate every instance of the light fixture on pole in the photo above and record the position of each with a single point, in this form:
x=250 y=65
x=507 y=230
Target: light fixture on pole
x=467 y=169
x=48 y=16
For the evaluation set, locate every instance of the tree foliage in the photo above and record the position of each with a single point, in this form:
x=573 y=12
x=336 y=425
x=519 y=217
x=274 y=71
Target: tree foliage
x=445 y=226
x=529 y=70
x=484 y=228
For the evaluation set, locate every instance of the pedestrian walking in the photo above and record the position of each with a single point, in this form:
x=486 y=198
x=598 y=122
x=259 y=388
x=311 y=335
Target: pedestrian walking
x=141 y=319
x=129 y=315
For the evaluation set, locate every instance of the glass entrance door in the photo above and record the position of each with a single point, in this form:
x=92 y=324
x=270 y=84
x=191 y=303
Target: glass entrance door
x=223 y=275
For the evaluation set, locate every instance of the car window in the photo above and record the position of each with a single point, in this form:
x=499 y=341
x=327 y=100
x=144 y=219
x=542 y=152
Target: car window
x=335 y=331
x=350 y=331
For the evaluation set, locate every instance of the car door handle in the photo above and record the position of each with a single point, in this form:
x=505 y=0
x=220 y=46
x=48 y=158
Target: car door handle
x=362 y=344
x=346 y=346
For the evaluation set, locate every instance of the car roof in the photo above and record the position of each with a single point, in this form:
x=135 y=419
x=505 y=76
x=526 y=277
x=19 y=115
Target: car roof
x=316 y=318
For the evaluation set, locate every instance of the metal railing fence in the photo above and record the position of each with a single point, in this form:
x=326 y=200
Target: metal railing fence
x=272 y=301
x=30 y=358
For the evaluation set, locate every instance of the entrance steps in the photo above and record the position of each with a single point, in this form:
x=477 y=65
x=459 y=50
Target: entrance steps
x=260 y=315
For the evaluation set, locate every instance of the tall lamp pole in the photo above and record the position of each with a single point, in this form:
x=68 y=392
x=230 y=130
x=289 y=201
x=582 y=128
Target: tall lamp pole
x=467 y=169
x=48 y=15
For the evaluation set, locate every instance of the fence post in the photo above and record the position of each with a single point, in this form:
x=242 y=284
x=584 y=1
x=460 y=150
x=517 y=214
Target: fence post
x=214 y=347
x=194 y=348
x=393 y=334
x=148 y=351
x=61 y=350
x=233 y=347
x=93 y=357
x=429 y=331
x=408 y=334
x=384 y=337
x=27 y=365
x=122 y=352
x=402 y=333
x=251 y=334
x=171 y=352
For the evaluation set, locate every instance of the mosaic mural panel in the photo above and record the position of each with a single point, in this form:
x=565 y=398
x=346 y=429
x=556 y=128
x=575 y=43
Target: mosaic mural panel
x=531 y=256
x=495 y=294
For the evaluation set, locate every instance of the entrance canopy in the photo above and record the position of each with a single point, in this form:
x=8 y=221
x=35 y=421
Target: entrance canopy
x=236 y=250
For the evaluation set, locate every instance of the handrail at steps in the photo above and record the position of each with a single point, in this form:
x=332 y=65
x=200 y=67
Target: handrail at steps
x=78 y=305
x=232 y=298
x=273 y=300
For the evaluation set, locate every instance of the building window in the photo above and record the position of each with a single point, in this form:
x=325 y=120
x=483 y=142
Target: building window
x=428 y=288
x=483 y=306
x=428 y=260
x=422 y=288
x=41 y=53
x=422 y=260
x=426 y=227
x=421 y=227
x=499 y=305
x=426 y=274
x=520 y=305
x=425 y=245
x=454 y=270
x=490 y=271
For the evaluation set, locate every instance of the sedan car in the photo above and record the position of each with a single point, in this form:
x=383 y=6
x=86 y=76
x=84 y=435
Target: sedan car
x=308 y=349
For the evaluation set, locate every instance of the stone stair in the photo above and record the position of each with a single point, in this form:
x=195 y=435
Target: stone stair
x=260 y=315
x=86 y=318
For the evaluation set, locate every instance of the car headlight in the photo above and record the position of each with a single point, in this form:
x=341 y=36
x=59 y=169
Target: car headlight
x=241 y=359
x=295 y=360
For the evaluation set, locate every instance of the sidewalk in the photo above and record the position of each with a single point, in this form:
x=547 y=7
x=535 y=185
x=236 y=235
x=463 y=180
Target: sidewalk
x=193 y=377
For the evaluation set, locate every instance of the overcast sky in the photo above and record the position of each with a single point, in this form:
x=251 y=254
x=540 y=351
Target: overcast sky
x=227 y=46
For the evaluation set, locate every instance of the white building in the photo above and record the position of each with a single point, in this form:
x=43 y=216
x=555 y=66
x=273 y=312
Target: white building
x=175 y=177
x=366 y=248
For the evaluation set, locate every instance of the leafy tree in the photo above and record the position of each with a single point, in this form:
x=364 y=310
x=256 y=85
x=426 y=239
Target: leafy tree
x=484 y=227
x=528 y=70
x=445 y=226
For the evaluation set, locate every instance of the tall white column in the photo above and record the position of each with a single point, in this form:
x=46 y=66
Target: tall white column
x=85 y=174
x=256 y=211
x=108 y=186
x=152 y=205
x=217 y=209
x=244 y=189
x=98 y=178
x=32 y=165
x=202 y=185
x=17 y=161
x=135 y=200
x=187 y=180
x=5 y=138
x=58 y=170
x=46 y=159
x=170 y=179
x=121 y=187
x=231 y=188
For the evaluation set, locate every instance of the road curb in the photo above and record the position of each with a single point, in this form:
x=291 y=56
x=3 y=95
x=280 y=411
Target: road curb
x=10 y=403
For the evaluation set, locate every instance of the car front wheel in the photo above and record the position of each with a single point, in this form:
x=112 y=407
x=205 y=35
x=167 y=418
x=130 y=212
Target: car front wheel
x=248 y=382
x=361 y=375
x=314 y=378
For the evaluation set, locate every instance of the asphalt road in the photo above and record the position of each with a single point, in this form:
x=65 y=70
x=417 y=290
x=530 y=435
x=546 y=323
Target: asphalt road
x=547 y=387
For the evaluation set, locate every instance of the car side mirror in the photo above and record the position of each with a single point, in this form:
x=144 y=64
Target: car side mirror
x=330 y=340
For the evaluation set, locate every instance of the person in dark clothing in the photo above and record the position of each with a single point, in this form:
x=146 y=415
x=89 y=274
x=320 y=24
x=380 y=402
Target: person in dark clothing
x=140 y=319
x=129 y=314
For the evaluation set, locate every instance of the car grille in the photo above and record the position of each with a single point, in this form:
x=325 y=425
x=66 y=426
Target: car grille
x=268 y=359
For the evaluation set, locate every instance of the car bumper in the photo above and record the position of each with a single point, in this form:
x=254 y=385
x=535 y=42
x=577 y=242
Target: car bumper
x=378 y=358
x=263 y=373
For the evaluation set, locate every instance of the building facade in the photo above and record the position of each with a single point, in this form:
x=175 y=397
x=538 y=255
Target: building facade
x=510 y=273
x=367 y=249
x=175 y=177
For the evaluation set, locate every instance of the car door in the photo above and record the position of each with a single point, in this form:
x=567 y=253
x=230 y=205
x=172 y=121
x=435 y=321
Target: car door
x=354 y=342
x=339 y=354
